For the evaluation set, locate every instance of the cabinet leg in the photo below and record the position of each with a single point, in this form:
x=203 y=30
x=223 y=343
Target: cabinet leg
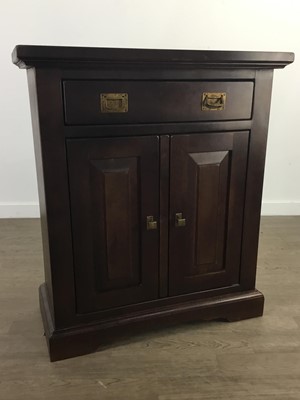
x=251 y=310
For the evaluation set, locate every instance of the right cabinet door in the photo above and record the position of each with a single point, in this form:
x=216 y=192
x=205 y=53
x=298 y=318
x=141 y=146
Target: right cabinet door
x=207 y=189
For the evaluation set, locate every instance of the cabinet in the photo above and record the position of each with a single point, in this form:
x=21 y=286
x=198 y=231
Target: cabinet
x=150 y=170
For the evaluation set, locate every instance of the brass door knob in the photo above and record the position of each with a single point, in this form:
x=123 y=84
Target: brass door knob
x=179 y=221
x=151 y=223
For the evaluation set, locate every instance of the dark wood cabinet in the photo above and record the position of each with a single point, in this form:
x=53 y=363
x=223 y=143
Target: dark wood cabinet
x=150 y=169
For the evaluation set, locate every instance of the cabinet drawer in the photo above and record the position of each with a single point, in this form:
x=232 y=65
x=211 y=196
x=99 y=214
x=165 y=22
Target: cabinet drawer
x=132 y=102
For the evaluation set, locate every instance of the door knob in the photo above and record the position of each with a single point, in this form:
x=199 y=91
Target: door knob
x=151 y=224
x=179 y=221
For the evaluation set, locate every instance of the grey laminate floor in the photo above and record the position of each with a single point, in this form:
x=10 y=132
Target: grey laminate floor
x=252 y=359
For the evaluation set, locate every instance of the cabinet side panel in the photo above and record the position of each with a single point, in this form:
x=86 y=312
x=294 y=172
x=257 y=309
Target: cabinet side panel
x=255 y=175
x=40 y=177
x=55 y=195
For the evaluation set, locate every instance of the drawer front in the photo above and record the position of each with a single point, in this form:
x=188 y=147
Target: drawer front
x=133 y=102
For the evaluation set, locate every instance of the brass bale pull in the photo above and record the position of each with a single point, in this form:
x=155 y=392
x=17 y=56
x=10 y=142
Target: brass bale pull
x=179 y=221
x=213 y=101
x=151 y=224
x=114 y=102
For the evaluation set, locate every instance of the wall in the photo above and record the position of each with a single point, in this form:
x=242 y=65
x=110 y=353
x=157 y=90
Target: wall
x=190 y=24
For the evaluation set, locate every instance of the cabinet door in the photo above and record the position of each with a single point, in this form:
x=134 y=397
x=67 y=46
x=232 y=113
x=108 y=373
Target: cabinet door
x=113 y=188
x=207 y=185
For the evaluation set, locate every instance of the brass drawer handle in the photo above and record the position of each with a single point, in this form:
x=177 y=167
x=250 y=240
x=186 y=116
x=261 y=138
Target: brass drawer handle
x=114 y=102
x=179 y=221
x=213 y=101
x=151 y=224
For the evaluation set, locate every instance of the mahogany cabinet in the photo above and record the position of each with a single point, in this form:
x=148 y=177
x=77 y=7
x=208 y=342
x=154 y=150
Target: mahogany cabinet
x=150 y=170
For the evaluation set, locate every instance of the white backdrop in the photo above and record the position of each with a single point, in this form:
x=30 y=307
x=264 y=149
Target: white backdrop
x=266 y=25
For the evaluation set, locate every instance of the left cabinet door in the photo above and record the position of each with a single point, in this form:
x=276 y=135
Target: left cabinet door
x=114 y=187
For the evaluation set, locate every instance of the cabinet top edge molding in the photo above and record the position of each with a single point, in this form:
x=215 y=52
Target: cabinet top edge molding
x=28 y=56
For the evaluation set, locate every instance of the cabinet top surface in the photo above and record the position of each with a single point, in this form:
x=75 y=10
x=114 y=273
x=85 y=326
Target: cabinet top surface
x=25 y=56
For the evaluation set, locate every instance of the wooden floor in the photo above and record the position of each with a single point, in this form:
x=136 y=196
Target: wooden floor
x=253 y=359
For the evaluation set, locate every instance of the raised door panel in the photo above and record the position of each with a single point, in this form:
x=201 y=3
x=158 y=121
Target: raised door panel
x=114 y=206
x=210 y=170
x=207 y=185
x=113 y=188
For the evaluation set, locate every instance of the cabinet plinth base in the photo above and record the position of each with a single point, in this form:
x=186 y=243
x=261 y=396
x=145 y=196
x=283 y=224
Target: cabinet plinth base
x=86 y=339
